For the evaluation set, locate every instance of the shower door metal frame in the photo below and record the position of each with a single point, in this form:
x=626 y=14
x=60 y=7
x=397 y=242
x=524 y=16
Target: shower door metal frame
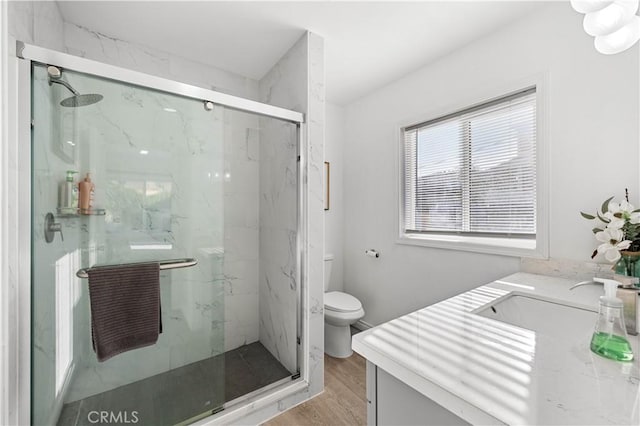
x=111 y=72
x=27 y=55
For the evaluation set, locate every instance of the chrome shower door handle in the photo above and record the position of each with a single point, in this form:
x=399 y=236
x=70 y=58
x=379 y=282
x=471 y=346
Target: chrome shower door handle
x=51 y=227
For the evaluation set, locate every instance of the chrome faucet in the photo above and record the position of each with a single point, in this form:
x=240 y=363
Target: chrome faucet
x=629 y=297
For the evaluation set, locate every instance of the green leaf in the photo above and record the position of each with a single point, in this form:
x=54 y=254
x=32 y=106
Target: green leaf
x=636 y=211
x=605 y=205
x=595 y=230
x=605 y=220
x=587 y=216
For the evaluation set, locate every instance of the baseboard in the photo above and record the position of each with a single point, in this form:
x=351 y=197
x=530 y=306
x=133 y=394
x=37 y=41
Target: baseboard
x=362 y=326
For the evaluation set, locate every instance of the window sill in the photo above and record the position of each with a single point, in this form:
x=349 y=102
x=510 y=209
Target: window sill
x=500 y=246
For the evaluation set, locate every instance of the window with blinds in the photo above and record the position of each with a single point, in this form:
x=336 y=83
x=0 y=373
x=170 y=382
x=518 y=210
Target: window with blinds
x=474 y=171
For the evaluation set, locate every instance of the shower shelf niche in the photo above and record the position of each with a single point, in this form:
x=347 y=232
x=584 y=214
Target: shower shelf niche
x=67 y=212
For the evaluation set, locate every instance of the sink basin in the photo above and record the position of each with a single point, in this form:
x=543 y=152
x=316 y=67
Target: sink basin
x=543 y=317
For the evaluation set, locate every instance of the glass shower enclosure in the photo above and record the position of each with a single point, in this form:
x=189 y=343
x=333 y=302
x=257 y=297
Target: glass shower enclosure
x=211 y=192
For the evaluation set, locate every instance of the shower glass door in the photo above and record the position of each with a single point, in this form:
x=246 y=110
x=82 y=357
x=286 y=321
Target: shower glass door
x=173 y=180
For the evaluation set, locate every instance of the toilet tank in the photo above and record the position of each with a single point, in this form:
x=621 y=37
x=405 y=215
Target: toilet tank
x=328 y=261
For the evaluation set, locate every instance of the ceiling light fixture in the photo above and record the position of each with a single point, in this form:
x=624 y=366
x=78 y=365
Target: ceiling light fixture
x=170 y=109
x=614 y=24
x=144 y=152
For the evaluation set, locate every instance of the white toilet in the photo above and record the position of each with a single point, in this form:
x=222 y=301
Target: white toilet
x=340 y=311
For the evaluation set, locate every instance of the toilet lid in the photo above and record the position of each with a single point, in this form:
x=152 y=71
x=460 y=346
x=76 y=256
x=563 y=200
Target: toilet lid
x=341 y=302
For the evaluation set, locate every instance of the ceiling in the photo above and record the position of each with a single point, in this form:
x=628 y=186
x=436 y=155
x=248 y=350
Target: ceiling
x=367 y=44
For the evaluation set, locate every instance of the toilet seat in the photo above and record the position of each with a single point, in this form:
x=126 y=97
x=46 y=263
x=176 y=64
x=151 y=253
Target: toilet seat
x=338 y=301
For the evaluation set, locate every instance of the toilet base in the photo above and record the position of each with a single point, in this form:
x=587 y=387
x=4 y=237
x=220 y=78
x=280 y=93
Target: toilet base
x=337 y=341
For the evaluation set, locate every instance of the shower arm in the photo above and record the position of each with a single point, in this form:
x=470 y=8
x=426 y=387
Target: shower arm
x=65 y=84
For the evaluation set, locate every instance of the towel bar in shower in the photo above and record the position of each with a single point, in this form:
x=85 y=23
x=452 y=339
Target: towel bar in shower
x=164 y=264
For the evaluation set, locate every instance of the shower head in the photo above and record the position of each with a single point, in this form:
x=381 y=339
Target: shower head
x=81 y=100
x=77 y=100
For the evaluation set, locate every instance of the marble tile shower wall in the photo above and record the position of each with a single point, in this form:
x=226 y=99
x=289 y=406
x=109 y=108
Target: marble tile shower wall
x=37 y=22
x=171 y=199
x=278 y=241
x=196 y=190
x=241 y=204
x=241 y=159
x=295 y=82
x=278 y=213
x=55 y=279
x=282 y=86
x=81 y=41
x=41 y=24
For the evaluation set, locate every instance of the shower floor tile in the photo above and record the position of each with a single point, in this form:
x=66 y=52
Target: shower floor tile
x=180 y=394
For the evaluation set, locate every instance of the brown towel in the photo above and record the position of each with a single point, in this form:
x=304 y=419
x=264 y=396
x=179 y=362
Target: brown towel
x=125 y=308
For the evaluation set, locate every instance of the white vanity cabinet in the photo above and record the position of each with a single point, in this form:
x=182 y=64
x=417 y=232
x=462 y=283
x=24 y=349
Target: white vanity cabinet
x=393 y=403
x=512 y=352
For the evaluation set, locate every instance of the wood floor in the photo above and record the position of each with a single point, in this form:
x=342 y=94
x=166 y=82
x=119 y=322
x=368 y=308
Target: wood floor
x=343 y=401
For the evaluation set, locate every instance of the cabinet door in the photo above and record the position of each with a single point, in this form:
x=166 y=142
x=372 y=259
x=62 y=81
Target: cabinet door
x=398 y=404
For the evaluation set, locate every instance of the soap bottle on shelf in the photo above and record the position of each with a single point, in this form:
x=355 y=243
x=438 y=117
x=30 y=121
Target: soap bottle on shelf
x=85 y=200
x=67 y=194
x=610 y=338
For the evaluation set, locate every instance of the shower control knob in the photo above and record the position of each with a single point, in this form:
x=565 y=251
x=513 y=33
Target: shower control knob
x=51 y=227
x=208 y=106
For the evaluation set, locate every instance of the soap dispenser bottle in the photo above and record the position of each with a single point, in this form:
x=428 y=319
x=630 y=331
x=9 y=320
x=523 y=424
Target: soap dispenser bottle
x=610 y=338
x=86 y=188
x=68 y=194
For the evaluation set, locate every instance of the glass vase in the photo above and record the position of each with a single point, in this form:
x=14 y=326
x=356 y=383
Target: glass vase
x=629 y=264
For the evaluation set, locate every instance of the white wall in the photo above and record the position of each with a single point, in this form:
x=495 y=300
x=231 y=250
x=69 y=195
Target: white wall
x=592 y=139
x=334 y=217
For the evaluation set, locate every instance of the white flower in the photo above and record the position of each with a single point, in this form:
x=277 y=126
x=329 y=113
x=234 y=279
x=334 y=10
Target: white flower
x=611 y=243
x=625 y=211
x=623 y=207
x=614 y=222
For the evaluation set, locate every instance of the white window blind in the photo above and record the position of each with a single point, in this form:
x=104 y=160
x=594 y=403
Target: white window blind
x=474 y=171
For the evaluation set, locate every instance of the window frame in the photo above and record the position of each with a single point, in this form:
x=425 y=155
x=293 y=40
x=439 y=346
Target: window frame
x=537 y=247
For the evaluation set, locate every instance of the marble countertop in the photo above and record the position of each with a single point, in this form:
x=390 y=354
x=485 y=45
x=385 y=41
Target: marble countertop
x=490 y=372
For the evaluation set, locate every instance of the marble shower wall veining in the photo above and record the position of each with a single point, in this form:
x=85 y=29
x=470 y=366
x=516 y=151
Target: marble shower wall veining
x=37 y=22
x=233 y=319
x=81 y=41
x=295 y=82
x=240 y=174
x=241 y=137
x=40 y=23
x=278 y=208
x=56 y=290
x=278 y=241
x=175 y=181
x=151 y=202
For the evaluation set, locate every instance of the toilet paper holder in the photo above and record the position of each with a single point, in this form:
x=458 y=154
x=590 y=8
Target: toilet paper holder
x=372 y=253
